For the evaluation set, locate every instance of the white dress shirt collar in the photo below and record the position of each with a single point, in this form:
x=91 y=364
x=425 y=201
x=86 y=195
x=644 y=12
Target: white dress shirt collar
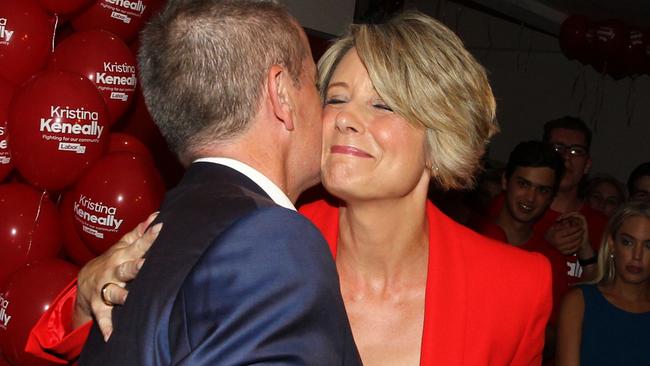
x=260 y=179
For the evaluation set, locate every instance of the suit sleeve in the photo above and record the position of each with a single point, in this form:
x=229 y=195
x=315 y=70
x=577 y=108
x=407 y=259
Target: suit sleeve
x=266 y=293
x=529 y=351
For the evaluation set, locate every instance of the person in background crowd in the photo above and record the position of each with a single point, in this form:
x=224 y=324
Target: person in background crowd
x=606 y=322
x=561 y=226
x=571 y=138
x=530 y=181
x=605 y=193
x=638 y=184
x=418 y=287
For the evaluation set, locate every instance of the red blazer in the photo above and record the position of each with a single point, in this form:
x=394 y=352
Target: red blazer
x=486 y=303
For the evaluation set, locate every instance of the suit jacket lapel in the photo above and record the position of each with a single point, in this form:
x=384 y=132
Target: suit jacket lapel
x=445 y=299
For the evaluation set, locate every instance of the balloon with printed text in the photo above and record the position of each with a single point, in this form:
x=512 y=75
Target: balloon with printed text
x=29 y=227
x=27 y=294
x=105 y=60
x=121 y=17
x=610 y=38
x=6 y=92
x=26 y=33
x=58 y=127
x=75 y=249
x=114 y=196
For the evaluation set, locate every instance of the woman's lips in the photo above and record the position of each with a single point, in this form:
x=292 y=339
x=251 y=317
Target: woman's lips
x=349 y=150
x=633 y=269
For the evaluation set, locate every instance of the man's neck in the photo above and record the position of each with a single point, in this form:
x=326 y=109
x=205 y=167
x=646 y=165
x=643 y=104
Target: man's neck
x=517 y=232
x=267 y=161
x=566 y=201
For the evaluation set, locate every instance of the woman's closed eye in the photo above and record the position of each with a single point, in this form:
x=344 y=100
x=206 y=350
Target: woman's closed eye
x=382 y=106
x=334 y=100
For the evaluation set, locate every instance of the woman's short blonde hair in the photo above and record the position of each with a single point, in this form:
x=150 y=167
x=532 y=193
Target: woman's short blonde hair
x=606 y=269
x=422 y=71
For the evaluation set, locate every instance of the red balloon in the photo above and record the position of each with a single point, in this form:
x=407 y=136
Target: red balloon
x=63 y=6
x=26 y=33
x=122 y=17
x=6 y=92
x=138 y=123
x=610 y=37
x=116 y=194
x=29 y=227
x=573 y=33
x=103 y=59
x=57 y=124
x=24 y=298
x=74 y=248
x=122 y=142
x=4 y=362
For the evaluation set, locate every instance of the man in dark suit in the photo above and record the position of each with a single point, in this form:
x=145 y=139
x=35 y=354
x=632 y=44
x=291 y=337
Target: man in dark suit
x=236 y=276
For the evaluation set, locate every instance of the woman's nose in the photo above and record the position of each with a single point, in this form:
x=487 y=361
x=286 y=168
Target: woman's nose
x=348 y=122
x=637 y=252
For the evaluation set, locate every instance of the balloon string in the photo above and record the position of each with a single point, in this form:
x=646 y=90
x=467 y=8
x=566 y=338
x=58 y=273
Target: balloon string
x=629 y=104
x=575 y=82
x=529 y=51
x=600 y=97
x=581 y=75
x=56 y=25
x=489 y=36
x=35 y=223
x=520 y=35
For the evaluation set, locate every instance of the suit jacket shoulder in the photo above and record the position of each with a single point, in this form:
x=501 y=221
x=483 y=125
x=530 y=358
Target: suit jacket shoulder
x=209 y=198
x=277 y=262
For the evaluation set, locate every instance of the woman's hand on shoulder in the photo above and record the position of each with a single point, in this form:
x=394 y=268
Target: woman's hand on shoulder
x=109 y=273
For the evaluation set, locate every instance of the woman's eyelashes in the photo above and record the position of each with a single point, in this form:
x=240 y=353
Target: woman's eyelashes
x=331 y=100
x=334 y=100
x=382 y=106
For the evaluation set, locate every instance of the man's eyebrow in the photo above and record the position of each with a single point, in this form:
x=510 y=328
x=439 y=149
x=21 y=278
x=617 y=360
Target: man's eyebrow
x=534 y=184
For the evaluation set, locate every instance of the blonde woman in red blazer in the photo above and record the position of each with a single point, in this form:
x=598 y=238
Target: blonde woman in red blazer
x=407 y=106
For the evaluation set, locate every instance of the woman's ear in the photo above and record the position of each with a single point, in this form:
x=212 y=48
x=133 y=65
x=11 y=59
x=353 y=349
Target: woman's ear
x=279 y=86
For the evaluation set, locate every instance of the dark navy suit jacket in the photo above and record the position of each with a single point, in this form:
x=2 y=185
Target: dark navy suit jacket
x=233 y=279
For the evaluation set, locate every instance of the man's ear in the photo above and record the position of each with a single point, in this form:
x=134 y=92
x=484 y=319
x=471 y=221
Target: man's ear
x=587 y=165
x=504 y=182
x=279 y=84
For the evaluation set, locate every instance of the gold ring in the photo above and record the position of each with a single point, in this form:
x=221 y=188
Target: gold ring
x=102 y=293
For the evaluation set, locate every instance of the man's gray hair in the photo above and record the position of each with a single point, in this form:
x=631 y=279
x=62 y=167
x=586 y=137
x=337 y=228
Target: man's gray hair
x=203 y=65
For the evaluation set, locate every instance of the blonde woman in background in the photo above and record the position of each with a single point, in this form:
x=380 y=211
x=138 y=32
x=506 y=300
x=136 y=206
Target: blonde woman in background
x=607 y=321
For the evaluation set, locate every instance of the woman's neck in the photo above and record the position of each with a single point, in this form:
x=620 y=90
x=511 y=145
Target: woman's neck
x=383 y=242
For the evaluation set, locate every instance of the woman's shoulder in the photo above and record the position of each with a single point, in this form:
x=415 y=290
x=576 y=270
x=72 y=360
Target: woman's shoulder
x=575 y=296
x=490 y=265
